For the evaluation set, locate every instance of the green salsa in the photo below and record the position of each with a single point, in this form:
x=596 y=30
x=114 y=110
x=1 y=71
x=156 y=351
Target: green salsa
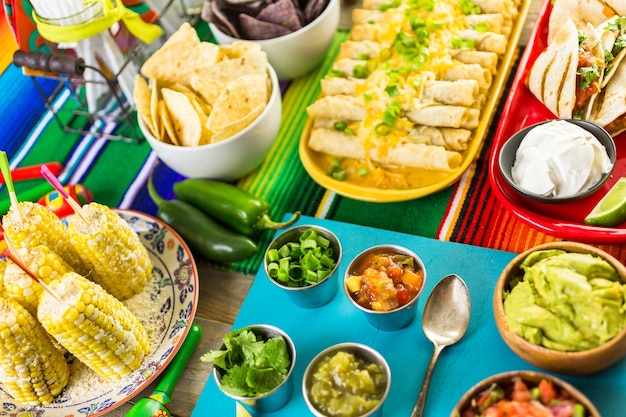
x=344 y=385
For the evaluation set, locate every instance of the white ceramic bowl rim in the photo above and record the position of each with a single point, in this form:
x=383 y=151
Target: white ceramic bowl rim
x=309 y=25
x=275 y=95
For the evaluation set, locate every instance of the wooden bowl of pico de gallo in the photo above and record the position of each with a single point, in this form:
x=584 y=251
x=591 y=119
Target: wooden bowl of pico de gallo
x=524 y=393
x=385 y=282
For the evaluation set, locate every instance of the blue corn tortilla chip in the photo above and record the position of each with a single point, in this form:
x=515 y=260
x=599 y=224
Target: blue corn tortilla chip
x=283 y=13
x=255 y=29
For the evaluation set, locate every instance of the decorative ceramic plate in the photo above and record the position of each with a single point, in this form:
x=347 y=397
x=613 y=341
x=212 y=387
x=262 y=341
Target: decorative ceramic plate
x=166 y=308
x=523 y=109
x=429 y=181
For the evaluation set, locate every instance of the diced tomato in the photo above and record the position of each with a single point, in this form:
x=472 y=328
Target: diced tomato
x=402 y=294
x=394 y=272
x=547 y=392
x=520 y=393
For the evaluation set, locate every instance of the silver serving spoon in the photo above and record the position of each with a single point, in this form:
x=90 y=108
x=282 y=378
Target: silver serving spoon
x=445 y=321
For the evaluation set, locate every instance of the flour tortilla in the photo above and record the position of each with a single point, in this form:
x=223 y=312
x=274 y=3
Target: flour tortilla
x=455 y=93
x=406 y=154
x=552 y=78
x=445 y=116
x=339 y=107
x=608 y=38
x=610 y=106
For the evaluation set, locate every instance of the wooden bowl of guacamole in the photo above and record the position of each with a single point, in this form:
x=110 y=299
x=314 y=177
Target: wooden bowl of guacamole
x=561 y=306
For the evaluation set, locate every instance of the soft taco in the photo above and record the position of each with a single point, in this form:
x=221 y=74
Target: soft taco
x=612 y=34
x=567 y=75
x=609 y=110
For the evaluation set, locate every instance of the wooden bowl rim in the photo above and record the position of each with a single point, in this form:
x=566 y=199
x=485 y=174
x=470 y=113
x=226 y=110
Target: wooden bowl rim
x=498 y=305
x=527 y=376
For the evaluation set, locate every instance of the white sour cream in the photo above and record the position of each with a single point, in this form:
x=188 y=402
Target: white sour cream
x=559 y=159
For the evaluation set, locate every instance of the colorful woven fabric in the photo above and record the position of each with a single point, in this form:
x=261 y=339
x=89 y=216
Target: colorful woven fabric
x=466 y=212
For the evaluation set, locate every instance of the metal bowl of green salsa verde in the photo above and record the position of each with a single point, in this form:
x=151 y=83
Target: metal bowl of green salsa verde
x=348 y=380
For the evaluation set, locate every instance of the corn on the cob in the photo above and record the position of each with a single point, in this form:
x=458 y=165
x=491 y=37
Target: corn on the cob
x=3 y=267
x=32 y=370
x=37 y=225
x=94 y=326
x=110 y=247
x=44 y=263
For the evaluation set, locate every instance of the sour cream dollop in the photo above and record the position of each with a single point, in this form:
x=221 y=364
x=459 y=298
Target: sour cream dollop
x=559 y=159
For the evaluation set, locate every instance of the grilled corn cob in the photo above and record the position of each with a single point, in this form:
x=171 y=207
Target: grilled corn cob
x=112 y=250
x=94 y=326
x=37 y=225
x=32 y=370
x=44 y=263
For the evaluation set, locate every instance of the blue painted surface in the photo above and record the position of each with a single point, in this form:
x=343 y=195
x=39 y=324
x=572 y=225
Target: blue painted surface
x=479 y=354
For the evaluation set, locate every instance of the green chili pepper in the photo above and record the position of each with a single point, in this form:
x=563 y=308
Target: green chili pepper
x=205 y=236
x=236 y=208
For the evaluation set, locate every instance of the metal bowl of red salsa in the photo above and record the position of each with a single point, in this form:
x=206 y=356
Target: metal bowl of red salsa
x=385 y=282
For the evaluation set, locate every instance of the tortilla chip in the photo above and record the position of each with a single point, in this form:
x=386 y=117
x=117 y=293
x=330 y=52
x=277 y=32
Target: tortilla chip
x=230 y=69
x=157 y=127
x=142 y=96
x=256 y=29
x=184 y=117
x=238 y=125
x=180 y=57
x=240 y=49
x=206 y=88
x=206 y=135
x=168 y=126
x=237 y=100
x=283 y=13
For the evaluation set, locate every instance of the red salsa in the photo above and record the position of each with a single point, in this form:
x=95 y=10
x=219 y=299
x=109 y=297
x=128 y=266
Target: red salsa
x=384 y=281
x=520 y=400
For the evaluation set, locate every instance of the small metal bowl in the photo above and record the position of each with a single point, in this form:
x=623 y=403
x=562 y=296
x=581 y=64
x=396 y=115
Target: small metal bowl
x=360 y=351
x=508 y=152
x=308 y=296
x=279 y=396
x=393 y=319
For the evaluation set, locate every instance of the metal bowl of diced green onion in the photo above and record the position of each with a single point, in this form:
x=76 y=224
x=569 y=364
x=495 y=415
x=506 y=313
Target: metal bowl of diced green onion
x=302 y=261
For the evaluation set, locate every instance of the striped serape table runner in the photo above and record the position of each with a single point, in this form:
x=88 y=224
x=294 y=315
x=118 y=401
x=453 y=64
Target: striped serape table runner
x=116 y=172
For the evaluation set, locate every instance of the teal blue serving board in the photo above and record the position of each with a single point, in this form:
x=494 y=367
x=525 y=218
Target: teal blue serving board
x=478 y=355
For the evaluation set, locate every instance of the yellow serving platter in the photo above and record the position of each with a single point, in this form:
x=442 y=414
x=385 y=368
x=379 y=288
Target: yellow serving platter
x=429 y=181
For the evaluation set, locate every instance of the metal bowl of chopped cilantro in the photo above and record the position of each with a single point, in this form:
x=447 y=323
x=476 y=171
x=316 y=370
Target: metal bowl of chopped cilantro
x=302 y=261
x=254 y=366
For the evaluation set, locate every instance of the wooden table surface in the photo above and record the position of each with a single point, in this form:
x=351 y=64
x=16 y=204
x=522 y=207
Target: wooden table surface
x=221 y=295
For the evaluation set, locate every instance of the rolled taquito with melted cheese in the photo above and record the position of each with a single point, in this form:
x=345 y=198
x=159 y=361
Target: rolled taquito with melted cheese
x=402 y=154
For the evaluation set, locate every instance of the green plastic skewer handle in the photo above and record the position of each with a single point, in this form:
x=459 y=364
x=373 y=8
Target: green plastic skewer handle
x=158 y=404
x=177 y=366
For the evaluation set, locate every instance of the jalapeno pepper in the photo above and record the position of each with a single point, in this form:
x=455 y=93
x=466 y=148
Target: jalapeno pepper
x=236 y=208
x=204 y=235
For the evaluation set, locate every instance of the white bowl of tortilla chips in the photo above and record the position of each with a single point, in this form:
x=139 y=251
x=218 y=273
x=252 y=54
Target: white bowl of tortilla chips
x=208 y=111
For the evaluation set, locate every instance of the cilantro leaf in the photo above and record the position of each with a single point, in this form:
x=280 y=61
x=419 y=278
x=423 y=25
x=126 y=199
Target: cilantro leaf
x=252 y=366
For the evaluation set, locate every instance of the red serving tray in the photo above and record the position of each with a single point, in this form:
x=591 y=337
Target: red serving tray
x=521 y=109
